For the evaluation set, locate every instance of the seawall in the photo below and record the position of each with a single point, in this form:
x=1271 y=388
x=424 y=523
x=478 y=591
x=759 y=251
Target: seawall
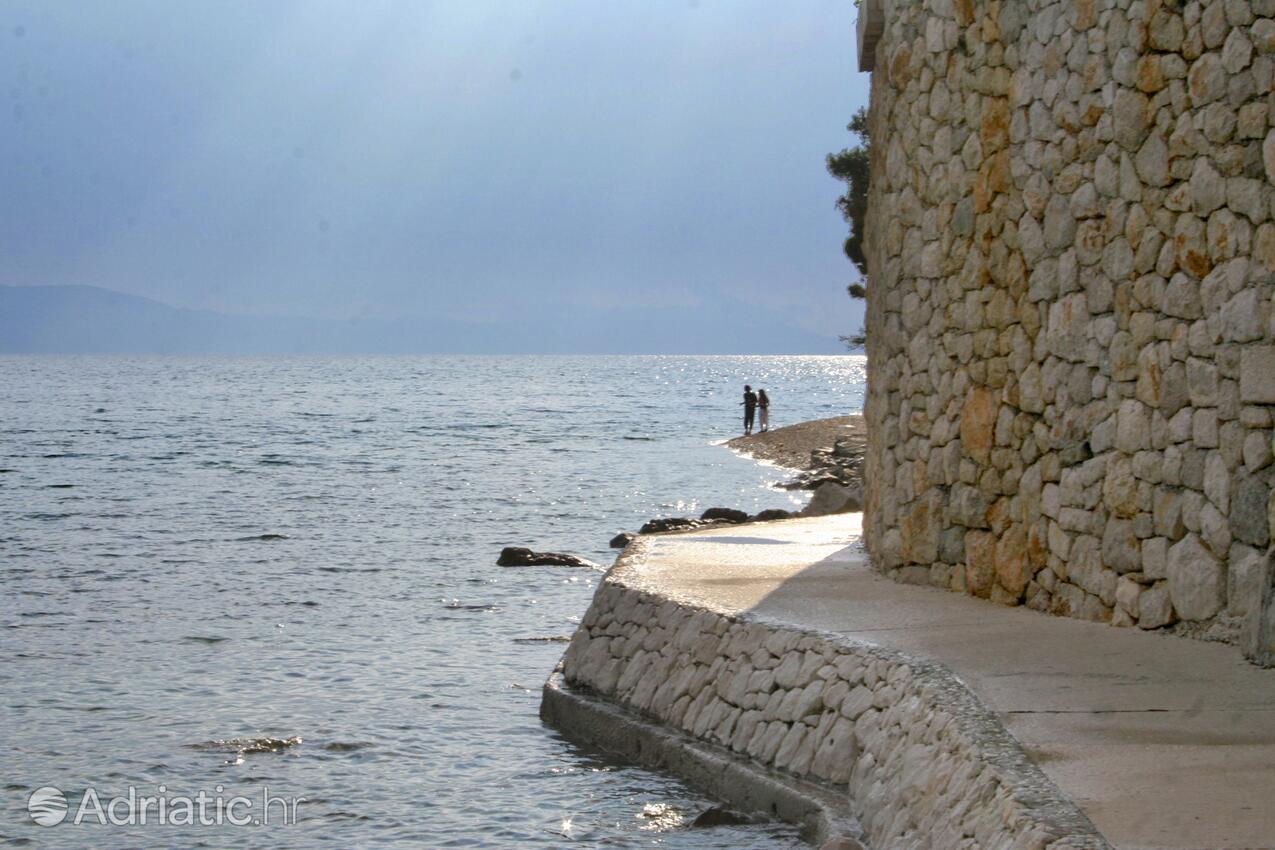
x=1071 y=252
x=900 y=741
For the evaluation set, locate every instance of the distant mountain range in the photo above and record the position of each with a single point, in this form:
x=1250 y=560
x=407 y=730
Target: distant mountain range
x=92 y=320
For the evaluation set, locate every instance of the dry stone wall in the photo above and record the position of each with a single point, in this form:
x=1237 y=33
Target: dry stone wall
x=1071 y=371
x=924 y=765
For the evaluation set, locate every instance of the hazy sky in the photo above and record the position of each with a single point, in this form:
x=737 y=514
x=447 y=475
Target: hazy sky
x=460 y=158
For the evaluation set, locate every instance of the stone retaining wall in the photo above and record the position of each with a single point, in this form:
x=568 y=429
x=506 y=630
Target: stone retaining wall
x=1071 y=370
x=923 y=763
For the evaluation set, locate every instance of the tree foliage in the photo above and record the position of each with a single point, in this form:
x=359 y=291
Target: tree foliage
x=851 y=165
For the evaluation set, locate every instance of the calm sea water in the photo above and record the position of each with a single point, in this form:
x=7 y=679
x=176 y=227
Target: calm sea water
x=198 y=550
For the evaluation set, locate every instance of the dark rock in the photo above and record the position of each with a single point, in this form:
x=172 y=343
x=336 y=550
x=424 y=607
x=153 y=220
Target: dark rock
x=834 y=498
x=844 y=463
x=719 y=816
x=1249 y=504
x=952 y=545
x=967 y=507
x=672 y=523
x=849 y=477
x=1075 y=454
x=1257 y=637
x=849 y=447
x=817 y=479
x=622 y=540
x=250 y=746
x=821 y=457
x=772 y=514
x=725 y=515
x=517 y=556
x=657 y=526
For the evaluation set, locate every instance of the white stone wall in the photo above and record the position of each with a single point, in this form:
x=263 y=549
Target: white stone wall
x=1071 y=245
x=925 y=766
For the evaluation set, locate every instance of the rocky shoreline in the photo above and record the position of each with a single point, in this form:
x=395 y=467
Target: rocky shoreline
x=826 y=455
x=805 y=446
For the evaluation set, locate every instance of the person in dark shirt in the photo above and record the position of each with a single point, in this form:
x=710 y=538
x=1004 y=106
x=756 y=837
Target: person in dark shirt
x=750 y=408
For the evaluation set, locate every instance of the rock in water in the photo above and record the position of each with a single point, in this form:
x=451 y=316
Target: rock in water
x=725 y=515
x=720 y=816
x=772 y=514
x=518 y=556
x=622 y=540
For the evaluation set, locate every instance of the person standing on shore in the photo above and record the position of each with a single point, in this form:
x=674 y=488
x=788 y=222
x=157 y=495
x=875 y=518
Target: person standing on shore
x=763 y=409
x=750 y=409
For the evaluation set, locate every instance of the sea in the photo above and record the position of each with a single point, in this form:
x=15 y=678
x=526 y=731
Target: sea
x=254 y=602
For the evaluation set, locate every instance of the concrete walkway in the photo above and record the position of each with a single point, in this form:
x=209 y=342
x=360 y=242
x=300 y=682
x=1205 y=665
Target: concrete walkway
x=1164 y=742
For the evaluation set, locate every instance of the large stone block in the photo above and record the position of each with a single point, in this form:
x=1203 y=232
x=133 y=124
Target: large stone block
x=1217 y=481
x=833 y=498
x=1130 y=118
x=1245 y=570
x=1155 y=608
x=1257 y=637
x=978 y=423
x=1012 y=570
x=1206 y=80
x=920 y=530
x=1152 y=161
x=1121 y=550
x=1172 y=391
x=1066 y=332
x=1249 y=500
x=1268 y=156
x=1127 y=593
x=994 y=129
x=1257 y=374
x=1155 y=557
x=1257 y=450
x=980 y=562
x=1166 y=31
x=1031 y=390
x=968 y=507
x=1197 y=580
x=1133 y=427
x=1201 y=377
x=1120 y=488
x=1207 y=188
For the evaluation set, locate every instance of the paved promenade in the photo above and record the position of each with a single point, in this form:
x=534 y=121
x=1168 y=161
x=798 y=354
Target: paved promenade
x=1164 y=742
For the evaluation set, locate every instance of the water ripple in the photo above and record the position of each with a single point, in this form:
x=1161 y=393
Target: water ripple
x=236 y=550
